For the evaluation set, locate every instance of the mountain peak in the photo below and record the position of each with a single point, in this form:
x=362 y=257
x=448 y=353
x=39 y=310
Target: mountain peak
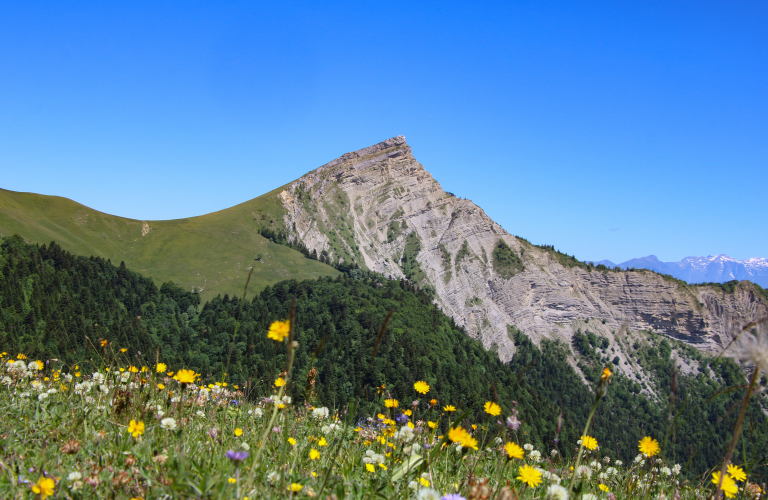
x=393 y=147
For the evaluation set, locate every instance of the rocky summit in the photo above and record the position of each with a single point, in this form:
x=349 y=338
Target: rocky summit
x=378 y=207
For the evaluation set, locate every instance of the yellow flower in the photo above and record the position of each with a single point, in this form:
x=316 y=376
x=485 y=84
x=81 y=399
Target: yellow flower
x=589 y=442
x=421 y=387
x=161 y=367
x=737 y=472
x=279 y=382
x=370 y=468
x=238 y=432
x=648 y=446
x=185 y=376
x=279 y=330
x=161 y=386
x=133 y=369
x=21 y=356
x=295 y=487
x=135 y=428
x=40 y=365
x=432 y=425
x=77 y=374
x=424 y=482
x=391 y=403
x=123 y=350
x=449 y=408
x=605 y=376
x=44 y=487
x=529 y=475
x=460 y=435
x=492 y=408
x=314 y=454
x=292 y=441
x=322 y=442
x=232 y=480
x=408 y=412
x=144 y=369
x=281 y=405
x=103 y=343
x=729 y=485
x=514 y=451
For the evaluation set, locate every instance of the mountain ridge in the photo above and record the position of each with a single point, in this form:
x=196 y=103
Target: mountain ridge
x=710 y=269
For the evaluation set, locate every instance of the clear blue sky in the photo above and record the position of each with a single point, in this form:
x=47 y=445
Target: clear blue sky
x=609 y=129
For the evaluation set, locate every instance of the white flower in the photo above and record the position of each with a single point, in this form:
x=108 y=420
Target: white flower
x=602 y=476
x=98 y=377
x=528 y=447
x=125 y=376
x=168 y=424
x=606 y=460
x=498 y=440
x=404 y=434
x=428 y=494
x=595 y=465
x=52 y=391
x=553 y=453
x=557 y=492
x=160 y=413
x=7 y=380
x=200 y=413
x=175 y=399
x=550 y=476
x=256 y=412
x=535 y=455
x=272 y=476
x=588 y=496
x=245 y=446
x=753 y=349
x=320 y=413
x=33 y=366
x=582 y=472
x=619 y=463
x=89 y=400
x=42 y=396
x=326 y=429
x=611 y=471
x=36 y=384
x=68 y=376
x=639 y=458
x=413 y=485
x=74 y=476
x=286 y=400
x=676 y=469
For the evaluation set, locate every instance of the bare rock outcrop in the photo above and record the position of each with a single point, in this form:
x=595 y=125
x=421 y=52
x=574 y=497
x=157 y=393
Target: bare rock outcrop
x=381 y=209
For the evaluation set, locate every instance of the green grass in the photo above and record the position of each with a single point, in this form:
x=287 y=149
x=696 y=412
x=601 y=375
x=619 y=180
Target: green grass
x=211 y=252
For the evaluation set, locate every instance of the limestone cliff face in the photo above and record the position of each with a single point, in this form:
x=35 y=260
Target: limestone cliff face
x=380 y=208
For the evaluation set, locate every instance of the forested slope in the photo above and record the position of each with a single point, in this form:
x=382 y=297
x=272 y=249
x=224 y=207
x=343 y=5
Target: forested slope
x=54 y=304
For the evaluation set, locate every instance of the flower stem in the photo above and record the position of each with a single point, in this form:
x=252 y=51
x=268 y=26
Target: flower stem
x=581 y=447
x=736 y=431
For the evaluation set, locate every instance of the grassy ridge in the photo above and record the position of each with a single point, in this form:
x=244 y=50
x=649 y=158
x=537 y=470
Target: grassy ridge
x=211 y=252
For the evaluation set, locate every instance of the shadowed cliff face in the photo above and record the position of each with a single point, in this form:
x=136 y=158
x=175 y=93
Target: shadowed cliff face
x=380 y=208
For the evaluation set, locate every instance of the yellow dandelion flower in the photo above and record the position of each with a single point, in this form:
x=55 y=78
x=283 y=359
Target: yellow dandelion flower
x=514 y=451
x=322 y=442
x=185 y=376
x=161 y=386
x=133 y=369
x=606 y=374
x=161 y=367
x=135 y=428
x=408 y=412
x=144 y=369
x=391 y=403
x=40 y=365
x=449 y=408
x=370 y=468
x=737 y=472
x=44 y=487
x=232 y=480
x=421 y=387
x=103 y=343
x=292 y=441
x=492 y=408
x=432 y=425
x=296 y=487
x=729 y=485
x=602 y=487
x=279 y=382
x=21 y=356
x=529 y=475
x=424 y=482
x=648 y=446
x=123 y=349
x=589 y=442
x=383 y=466
x=314 y=454
x=279 y=330
x=238 y=432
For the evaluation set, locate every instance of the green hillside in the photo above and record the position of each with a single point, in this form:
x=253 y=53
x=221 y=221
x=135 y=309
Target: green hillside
x=211 y=252
x=56 y=305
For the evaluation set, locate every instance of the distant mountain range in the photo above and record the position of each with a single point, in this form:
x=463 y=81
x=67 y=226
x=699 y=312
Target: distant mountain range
x=707 y=269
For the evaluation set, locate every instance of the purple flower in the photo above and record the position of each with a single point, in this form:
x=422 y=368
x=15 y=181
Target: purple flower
x=453 y=496
x=402 y=418
x=513 y=422
x=237 y=456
